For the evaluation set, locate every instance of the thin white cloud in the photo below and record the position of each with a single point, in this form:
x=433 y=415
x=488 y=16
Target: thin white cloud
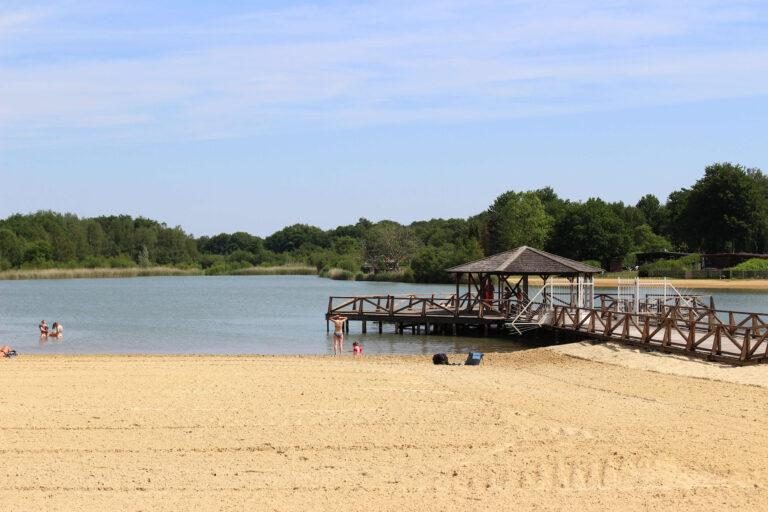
x=386 y=62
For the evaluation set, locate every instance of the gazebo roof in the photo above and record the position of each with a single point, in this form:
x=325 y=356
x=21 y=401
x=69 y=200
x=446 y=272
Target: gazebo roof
x=526 y=261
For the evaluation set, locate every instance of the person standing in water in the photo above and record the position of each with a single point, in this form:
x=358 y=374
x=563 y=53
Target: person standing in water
x=338 y=333
x=43 y=329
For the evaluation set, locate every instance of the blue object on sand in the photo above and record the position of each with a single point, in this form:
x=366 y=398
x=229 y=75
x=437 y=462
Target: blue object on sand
x=474 y=359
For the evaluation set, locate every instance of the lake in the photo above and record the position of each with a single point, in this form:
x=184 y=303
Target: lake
x=224 y=315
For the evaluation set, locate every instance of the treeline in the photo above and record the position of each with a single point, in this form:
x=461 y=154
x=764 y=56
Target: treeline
x=724 y=211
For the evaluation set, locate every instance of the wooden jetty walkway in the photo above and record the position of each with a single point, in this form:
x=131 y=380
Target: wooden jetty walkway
x=498 y=300
x=697 y=330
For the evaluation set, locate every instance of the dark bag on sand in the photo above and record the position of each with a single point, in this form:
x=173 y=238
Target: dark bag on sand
x=440 y=359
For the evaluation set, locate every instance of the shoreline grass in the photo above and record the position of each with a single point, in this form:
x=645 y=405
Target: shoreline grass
x=95 y=273
x=111 y=273
x=282 y=270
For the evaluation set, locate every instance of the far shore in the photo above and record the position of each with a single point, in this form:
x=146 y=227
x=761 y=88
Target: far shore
x=101 y=273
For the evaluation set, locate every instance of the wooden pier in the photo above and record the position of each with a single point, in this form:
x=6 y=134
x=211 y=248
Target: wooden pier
x=499 y=299
x=685 y=326
x=430 y=315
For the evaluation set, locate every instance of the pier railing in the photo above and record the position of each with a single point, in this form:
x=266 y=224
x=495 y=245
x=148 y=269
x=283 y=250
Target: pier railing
x=721 y=335
x=395 y=306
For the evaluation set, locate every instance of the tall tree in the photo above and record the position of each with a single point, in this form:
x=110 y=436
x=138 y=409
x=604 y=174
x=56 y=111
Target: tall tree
x=388 y=246
x=726 y=210
x=591 y=231
x=653 y=211
x=518 y=218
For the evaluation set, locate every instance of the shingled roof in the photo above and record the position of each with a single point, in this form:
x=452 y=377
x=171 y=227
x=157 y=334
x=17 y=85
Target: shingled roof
x=526 y=260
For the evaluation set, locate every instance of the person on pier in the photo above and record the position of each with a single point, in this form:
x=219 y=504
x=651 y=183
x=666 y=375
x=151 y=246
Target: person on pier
x=338 y=333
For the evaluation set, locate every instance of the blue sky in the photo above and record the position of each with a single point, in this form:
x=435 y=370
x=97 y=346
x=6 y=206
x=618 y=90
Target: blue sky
x=226 y=116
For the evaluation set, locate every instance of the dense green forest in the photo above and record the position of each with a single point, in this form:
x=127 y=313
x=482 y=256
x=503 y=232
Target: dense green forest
x=724 y=211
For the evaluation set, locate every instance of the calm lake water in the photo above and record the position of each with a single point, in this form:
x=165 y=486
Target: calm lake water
x=223 y=315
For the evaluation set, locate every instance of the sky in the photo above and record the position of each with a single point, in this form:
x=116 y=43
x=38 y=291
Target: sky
x=250 y=116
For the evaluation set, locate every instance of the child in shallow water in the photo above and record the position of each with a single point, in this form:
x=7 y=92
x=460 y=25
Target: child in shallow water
x=357 y=350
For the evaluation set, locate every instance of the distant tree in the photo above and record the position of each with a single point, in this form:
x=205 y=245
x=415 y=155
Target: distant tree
x=346 y=245
x=554 y=205
x=225 y=243
x=143 y=257
x=293 y=237
x=645 y=240
x=726 y=210
x=175 y=247
x=653 y=211
x=518 y=218
x=388 y=246
x=38 y=252
x=11 y=247
x=591 y=231
x=430 y=263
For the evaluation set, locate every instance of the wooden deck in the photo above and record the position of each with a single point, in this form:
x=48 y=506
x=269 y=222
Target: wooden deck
x=685 y=327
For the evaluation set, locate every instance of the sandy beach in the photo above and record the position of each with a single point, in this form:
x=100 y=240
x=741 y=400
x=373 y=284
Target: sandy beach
x=578 y=427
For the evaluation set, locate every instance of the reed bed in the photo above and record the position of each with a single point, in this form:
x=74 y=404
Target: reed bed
x=284 y=270
x=339 y=274
x=95 y=273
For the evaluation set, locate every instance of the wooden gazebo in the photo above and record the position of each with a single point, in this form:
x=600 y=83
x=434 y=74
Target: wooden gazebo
x=520 y=263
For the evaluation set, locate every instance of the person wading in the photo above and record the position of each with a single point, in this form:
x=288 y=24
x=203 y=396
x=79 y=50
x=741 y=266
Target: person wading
x=338 y=333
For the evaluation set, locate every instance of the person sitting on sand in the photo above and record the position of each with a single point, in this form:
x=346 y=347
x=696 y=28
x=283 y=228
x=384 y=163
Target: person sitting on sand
x=338 y=333
x=357 y=350
x=7 y=351
x=43 y=329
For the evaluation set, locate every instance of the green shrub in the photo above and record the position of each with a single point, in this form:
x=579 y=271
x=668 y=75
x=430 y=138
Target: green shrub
x=121 y=262
x=661 y=267
x=759 y=264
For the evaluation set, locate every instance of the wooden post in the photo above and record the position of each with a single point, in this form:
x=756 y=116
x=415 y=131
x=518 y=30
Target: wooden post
x=646 y=330
x=381 y=327
x=691 y=333
x=745 y=345
x=365 y=326
x=458 y=300
x=526 y=295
